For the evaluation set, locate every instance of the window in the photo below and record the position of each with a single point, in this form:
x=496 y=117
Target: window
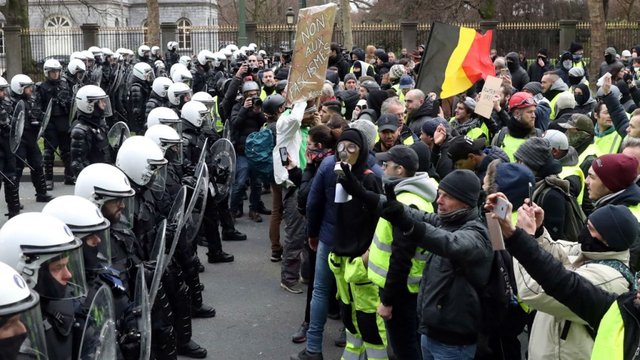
x=145 y=32
x=116 y=22
x=57 y=22
x=184 y=34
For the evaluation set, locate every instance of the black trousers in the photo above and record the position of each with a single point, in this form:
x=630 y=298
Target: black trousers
x=402 y=329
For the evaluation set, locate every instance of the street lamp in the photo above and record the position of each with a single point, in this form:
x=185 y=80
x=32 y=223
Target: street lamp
x=290 y=18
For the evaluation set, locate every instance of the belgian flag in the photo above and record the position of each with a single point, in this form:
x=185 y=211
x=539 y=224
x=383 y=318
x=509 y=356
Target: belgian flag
x=455 y=58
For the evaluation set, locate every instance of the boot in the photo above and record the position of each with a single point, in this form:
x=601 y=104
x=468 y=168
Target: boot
x=39 y=182
x=192 y=350
x=48 y=159
x=12 y=197
x=69 y=178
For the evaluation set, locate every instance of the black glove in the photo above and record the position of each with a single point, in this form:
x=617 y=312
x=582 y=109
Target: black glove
x=350 y=184
x=393 y=211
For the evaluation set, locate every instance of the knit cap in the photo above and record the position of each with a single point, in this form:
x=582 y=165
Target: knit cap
x=616 y=171
x=534 y=153
x=617 y=226
x=533 y=87
x=350 y=76
x=463 y=185
x=513 y=180
x=566 y=100
x=396 y=72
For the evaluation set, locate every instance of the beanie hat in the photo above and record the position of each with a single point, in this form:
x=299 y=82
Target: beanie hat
x=513 y=180
x=353 y=135
x=350 y=76
x=533 y=87
x=576 y=72
x=382 y=55
x=396 y=72
x=617 y=226
x=616 y=171
x=566 y=100
x=534 y=153
x=470 y=103
x=463 y=185
x=543 y=51
x=368 y=129
x=429 y=127
x=575 y=47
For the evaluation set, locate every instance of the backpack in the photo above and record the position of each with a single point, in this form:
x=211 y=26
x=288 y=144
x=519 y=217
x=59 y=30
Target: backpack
x=502 y=315
x=258 y=150
x=574 y=217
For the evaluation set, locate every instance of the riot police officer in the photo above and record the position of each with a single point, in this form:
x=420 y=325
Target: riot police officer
x=7 y=159
x=29 y=152
x=56 y=136
x=51 y=259
x=139 y=90
x=178 y=94
x=89 y=143
x=200 y=71
x=74 y=75
x=21 y=331
x=171 y=56
x=144 y=55
x=158 y=96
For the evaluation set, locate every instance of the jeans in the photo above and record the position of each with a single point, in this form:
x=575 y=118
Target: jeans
x=244 y=173
x=319 y=299
x=435 y=350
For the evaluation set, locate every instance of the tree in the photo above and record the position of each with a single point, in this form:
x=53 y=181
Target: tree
x=153 y=22
x=597 y=20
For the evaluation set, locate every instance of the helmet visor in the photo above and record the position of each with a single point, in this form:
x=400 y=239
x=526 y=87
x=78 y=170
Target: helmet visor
x=96 y=249
x=28 y=330
x=62 y=276
x=103 y=103
x=158 y=178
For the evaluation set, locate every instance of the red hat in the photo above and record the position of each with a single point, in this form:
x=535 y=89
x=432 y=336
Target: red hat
x=616 y=171
x=521 y=100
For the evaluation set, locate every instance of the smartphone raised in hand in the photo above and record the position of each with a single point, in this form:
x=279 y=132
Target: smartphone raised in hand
x=284 y=156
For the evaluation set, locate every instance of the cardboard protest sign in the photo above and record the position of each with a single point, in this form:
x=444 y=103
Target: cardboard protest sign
x=491 y=87
x=310 y=52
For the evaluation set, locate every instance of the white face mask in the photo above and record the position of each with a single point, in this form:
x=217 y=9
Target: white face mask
x=567 y=64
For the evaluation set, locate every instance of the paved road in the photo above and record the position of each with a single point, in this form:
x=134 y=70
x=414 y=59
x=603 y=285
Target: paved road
x=255 y=316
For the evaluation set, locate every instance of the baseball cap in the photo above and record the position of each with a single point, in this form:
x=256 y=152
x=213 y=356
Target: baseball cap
x=406 y=82
x=557 y=139
x=580 y=122
x=401 y=155
x=461 y=146
x=388 y=121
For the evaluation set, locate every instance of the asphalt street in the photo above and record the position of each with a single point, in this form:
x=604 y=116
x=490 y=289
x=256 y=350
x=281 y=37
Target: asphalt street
x=255 y=317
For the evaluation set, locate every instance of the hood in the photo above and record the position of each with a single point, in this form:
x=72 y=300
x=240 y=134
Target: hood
x=559 y=85
x=552 y=167
x=570 y=159
x=375 y=100
x=627 y=197
x=610 y=51
x=359 y=53
x=493 y=153
x=513 y=61
x=420 y=184
x=622 y=256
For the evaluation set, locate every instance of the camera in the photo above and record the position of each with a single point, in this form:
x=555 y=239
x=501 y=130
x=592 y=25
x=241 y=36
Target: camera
x=256 y=101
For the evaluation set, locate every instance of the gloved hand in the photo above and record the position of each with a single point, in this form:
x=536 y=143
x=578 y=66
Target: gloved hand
x=393 y=211
x=350 y=184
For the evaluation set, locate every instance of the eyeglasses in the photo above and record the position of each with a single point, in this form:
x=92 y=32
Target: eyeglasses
x=350 y=148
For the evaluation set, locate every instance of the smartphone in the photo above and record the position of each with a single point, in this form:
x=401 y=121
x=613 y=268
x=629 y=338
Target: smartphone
x=502 y=208
x=530 y=193
x=284 y=156
x=504 y=71
x=495 y=234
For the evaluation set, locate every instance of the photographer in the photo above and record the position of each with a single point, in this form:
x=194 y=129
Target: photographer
x=246 y=117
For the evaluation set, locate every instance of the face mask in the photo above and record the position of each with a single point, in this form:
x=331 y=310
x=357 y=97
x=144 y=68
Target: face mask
x=608 y=58
x=11 y=346
x=581 y=99
x=90 y=257
x=589 y=243
x=625 y=62
x=577 y=57
x=567 y=64
x=636 y=69
x=574 y=80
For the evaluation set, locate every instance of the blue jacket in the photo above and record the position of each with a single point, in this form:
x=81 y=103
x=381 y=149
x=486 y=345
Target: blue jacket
x=321 y=208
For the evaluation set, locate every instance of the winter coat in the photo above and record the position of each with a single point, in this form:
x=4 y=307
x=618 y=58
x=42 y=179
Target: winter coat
x=459 y=262
x=519 y=76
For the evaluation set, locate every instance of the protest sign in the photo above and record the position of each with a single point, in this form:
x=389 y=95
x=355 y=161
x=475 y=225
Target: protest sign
x=310 y=52
x=491 y=87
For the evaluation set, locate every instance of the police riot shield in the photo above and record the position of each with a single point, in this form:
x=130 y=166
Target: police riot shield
x=143 y=313
x=197 y=204
x=96 y=76
x=176 y=223
x=222 y=165
x=118 y=133
x=99 y=334
x=117 y=79
x=157 y=259
x=17 y=126
x=73 y=112
x=45 y=119
x=226 y=131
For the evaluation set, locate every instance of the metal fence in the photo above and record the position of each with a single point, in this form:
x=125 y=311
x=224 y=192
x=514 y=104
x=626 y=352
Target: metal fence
x=39 y=44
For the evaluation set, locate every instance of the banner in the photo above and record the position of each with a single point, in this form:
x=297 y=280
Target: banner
x=311 y=52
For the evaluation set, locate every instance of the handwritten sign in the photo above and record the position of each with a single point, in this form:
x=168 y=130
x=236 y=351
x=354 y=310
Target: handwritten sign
x=491 y=87
x=310 y=52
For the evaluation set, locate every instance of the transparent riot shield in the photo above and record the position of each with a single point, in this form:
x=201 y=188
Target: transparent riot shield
x=99 y=334
x=17 y=126
x=222 y=164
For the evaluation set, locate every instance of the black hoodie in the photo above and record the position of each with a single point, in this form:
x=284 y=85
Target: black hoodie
x=519 y=76
x=428 y=110
x=355 y=222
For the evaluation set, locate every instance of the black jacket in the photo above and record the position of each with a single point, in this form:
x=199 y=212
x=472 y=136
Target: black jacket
x=154 y=102
x=427 y=111
x=342 y=65
x=89 y=143
x=244 y=122
x=536 y=71
x=459 y=264
x=585 y=299
x=519 y=76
